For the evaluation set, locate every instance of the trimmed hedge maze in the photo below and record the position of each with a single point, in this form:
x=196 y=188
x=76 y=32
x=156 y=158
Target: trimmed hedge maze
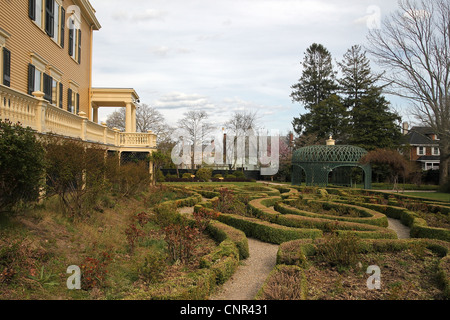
x=300 y=219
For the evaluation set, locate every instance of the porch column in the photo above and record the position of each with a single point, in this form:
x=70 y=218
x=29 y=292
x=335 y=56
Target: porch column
x=95 y=114
x=128 y=118
x=133 y=118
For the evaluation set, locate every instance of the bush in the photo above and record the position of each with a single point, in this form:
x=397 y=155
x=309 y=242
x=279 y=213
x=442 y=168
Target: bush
x=339 y=250
x=21 y=165
x=76 y=174
x=160 y=176
x=239 y=174
x=187 y=176
x=204 y=174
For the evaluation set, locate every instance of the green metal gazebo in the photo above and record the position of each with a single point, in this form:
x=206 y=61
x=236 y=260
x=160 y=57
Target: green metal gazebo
x=317 y=162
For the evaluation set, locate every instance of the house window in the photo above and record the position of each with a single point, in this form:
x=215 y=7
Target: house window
x=56 y=86
x=73 y=99
x=74 y=41
x=5 y=66
x=421 y=151
x=49 y=15
x=431 y=166
x=436 y=151
x=36 y=12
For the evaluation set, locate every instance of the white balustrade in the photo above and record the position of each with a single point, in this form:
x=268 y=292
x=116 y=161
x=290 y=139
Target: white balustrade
x=38 y=114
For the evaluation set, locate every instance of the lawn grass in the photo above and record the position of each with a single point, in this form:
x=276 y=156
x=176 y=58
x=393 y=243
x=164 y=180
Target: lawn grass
x=430 y=195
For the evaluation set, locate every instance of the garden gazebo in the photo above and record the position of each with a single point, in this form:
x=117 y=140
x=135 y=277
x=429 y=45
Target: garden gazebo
x=317 y=162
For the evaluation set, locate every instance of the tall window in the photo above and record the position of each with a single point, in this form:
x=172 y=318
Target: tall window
x=73 y=100
x=421 y=151
x=74 y=42
x=49 y=15
x=5 y=64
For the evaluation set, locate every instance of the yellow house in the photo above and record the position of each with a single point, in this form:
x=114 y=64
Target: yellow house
x=46 y=75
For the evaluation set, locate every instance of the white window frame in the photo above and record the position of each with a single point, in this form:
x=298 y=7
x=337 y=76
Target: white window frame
x=421 y=151
x=438 y=153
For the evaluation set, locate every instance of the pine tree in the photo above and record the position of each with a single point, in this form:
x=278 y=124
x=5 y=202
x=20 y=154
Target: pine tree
x=371 y=123
x=357 y=77
x=316 y=91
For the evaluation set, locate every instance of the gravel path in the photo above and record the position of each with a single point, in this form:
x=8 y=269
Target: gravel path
x=251 y=274
x=403 y=232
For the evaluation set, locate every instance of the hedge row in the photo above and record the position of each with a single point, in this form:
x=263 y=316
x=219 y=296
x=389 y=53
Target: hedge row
x=221 y=232
x=297 y=252
x=284 y=282
x=288 y=216
x=419 y=227
x=215 y=268
x=369 y=216
x=266 y=231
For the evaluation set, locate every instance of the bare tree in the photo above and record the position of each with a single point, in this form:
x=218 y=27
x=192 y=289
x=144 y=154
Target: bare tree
x=147 y=118
x=413 y=46
x=238 y=126
x=196 y=125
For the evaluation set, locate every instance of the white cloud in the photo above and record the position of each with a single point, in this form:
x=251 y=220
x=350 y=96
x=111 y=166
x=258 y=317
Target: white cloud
x=221 y=55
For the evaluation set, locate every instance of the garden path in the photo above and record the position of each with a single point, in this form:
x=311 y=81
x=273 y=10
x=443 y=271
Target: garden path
x=403 y=232
x=251 y=273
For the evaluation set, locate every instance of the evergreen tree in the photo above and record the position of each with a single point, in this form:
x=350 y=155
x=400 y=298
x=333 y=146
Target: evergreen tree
x=374 y=125
x=316 y=90
x=357 y=77
x=371 y=123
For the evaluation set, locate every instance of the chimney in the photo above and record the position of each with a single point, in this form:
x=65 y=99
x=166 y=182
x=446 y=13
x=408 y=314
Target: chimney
x=405 y=128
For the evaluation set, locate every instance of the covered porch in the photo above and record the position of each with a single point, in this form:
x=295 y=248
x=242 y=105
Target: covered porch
x=115 y=98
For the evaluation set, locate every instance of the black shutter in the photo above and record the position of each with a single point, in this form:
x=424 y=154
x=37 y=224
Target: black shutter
x=50 y=17
x=32 y=9
x=63 y=25
x=69 y=100
x=78 y=103
x=79 y=45
x=6 y=67
x=31 y=72
x=48 y=85
x=61 y=95
x=71 y=39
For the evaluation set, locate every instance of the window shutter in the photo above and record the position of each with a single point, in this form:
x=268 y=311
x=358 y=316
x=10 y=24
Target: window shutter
x=48 y=83
x=61 y=95
x=50 y=17
x=71 y=34
x=79 y=45
x=6 y=67
x=69 y=100
x=31 y=71
x=32 y=9
x=78 y=103
x=63 y=25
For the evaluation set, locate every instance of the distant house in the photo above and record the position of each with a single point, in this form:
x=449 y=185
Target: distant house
x=424 y=146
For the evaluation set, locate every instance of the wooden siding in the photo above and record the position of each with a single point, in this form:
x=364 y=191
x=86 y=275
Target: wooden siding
x=27 y=37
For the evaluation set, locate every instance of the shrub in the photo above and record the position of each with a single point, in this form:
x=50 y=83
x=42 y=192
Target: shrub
x=94 y=271
x=21 y=165
x=339 y=250
x=203 y=217
x=218 y=176
x=153 y=267
x=180 y=240
x=159 y=176
x=204 y=174
x=239 y=174
x=284 y=283
x=187 y=176
x=76 y=174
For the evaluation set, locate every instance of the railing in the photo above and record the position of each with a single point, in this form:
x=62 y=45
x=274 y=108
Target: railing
x=39 y=115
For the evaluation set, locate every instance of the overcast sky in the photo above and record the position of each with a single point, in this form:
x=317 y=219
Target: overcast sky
x=223 y=55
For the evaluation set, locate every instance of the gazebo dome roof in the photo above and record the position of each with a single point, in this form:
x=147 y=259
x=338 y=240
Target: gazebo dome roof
x=330 y=153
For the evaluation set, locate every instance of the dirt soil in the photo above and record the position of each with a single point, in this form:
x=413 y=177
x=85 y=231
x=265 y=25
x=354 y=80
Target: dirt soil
x=407 y=275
